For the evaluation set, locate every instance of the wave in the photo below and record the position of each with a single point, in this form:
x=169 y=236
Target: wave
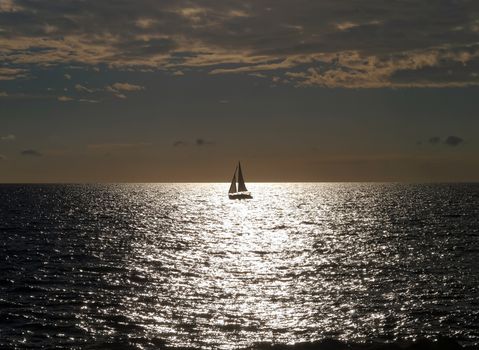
x=441 y=343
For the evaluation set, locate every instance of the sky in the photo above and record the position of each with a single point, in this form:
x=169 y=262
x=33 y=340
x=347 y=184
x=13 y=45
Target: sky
x=176 y=90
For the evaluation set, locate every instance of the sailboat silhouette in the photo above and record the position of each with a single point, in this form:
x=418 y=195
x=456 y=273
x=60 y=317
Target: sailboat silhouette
x=242 y=192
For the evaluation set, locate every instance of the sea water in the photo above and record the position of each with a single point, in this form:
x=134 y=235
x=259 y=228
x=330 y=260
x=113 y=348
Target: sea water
x=143 y=265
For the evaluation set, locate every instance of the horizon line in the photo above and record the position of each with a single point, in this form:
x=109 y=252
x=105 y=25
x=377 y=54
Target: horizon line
x=227 y=182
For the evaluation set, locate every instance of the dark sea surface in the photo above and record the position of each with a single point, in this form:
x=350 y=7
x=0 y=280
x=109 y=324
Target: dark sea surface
x=139 y=266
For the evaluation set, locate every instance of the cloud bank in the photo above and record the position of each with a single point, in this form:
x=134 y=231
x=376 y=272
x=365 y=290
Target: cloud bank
x=348 y=44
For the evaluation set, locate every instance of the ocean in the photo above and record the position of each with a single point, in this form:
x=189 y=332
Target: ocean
x=147 y=265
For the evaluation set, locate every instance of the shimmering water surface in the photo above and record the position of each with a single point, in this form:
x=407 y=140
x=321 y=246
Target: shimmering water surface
x=140 y=265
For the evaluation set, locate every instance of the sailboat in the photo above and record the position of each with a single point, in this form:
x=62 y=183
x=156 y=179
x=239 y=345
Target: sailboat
x=242 y=192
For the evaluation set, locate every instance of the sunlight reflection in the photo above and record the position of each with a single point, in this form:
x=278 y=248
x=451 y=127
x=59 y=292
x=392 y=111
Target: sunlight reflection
x=293 y=264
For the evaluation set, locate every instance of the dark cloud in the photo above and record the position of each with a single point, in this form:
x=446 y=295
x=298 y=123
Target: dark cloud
x=369 y=43
x=179 y=143
x=198 y=142
x=453 y=141
x=202 y=142
x=434 y=140
x=31 y=153
x=116 y=147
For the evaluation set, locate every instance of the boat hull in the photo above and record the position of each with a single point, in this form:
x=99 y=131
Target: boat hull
x=239 y=195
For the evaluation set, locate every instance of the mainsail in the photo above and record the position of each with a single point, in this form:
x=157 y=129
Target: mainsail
x=233 y=184
x=241 y=184
x=242 y=192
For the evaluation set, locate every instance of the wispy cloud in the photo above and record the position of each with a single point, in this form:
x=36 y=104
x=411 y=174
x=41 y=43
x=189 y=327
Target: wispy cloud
x=70 y=99
x=202 y=142
x=117 y=146
x=31 y=153
x=64 y=98
x=12 y=73
x=8 y=138
x=117 y=87
x=119 y=90
x=179 y=143
x=81 y=88
x=88 y=100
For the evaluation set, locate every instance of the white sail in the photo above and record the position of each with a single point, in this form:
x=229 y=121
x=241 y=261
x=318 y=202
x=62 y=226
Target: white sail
x=241 y=184
x=233 y=184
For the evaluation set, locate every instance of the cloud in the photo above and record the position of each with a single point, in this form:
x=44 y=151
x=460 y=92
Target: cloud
x=8 y=138
x=68 y=99
x=12 y=73
x=81 y=88
x=434 y=140
x=88 y=100
x=9 y=6
x=117 y=146
x=64 y=98
x=201 y=142
x=31 y=153
x=67 y=76
x=117 y=87
x=145 y=23
x=330 y=43
x=198 y=142
x=453 y=141
x=179 y=143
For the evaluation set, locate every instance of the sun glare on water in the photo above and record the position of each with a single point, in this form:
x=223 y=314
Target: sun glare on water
x=184 y=265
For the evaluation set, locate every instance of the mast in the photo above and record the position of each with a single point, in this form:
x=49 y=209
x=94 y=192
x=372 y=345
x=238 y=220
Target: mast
x=233 y=183
x=241 y=184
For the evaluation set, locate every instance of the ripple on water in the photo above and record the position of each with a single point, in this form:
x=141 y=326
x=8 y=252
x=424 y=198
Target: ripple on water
x=179 y=264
